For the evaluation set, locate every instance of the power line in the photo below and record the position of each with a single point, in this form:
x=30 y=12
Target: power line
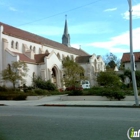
x=61 y=12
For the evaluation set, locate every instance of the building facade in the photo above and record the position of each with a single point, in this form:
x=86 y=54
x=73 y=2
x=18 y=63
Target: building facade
x=126 y=60
x=126 y=64
x=43 y=56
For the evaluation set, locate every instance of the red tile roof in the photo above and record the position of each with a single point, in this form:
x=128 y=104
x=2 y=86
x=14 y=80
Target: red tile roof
x=18 y=33
x=126 y=57
x=38 y=58
x=83 y=59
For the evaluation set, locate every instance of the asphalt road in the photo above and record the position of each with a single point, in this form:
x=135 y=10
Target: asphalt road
x=67 y=123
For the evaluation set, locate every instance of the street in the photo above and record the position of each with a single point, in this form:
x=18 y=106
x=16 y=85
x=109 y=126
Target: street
x=66 y=123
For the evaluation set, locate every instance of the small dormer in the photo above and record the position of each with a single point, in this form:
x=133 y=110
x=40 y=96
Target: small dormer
x=28 y=51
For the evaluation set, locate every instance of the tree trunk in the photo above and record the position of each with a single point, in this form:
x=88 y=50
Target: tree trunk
x=14 y=85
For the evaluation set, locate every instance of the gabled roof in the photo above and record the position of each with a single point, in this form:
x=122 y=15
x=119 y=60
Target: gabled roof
x=18 y=33
x=126 y=57
x=83 y=59
x=38 y=58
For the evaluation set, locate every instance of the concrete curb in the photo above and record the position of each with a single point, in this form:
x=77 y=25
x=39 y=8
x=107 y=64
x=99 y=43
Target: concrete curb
x=114 y=106
x=76 y=105
x=2 y=105
x=93 y=98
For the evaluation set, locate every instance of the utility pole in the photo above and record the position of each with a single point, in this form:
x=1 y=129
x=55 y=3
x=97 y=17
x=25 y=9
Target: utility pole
x=132 y=57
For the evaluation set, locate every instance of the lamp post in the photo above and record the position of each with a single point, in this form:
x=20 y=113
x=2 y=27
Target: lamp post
x=132 y=57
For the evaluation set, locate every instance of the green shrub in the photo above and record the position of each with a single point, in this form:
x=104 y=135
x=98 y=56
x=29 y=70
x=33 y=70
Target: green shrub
x=40 y=92
x=2 y=88
x=30 y=93
x=75 y=92
x=46 y=85
x=50 y=86
x=56 y=93
x=27 y=88
x=85 y=92
x=20 y=97
x=129 y=92
x=118 y=95
x=109 y=79
x=111 y=93
x=12 y=96
x=96 y=91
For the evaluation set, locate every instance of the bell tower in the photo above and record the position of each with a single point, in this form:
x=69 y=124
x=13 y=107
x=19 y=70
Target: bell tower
x=66 y=36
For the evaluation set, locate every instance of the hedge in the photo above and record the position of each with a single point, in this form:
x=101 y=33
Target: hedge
x=12 y=96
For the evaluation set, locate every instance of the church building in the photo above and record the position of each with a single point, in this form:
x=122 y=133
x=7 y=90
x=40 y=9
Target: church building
x=43 y=56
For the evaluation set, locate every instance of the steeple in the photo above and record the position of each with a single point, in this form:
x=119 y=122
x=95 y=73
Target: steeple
x=66 y=36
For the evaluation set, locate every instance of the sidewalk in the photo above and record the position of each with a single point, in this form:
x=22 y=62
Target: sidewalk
x=55 y=101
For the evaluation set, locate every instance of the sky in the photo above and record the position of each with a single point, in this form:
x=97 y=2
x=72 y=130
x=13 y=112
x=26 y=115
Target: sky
x=97 y=26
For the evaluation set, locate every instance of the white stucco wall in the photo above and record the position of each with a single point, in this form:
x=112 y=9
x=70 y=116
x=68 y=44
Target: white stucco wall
x=94 y=66
x=137 y=65
x=128 y=65
x=52 y=60
x=32 y=69
x=10 y=57
x=1 y=29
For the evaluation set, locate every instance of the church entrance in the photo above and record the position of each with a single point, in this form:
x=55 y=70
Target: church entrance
x=55 y=76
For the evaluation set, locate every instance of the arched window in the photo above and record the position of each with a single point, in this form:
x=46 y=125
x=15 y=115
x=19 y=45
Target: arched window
x=63 y=56
x=34 y=49
x=95 y=65
x=9 y=67
x=72 y=57
x=17 y=45
x=68 y=57
x=12 y=44
x=46 y=51
x=33 y=76
x=58 y=55
x=40 y=50
x=30 y=47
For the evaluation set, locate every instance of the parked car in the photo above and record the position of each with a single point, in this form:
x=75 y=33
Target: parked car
x=85 y=84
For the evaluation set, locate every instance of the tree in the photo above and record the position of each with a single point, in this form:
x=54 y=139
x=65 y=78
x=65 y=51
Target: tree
x=15 y=72
x=138 y=78
x=127 y=73
x=108 y=79
x=111 y=61
x=73 y=73
x=112 y=64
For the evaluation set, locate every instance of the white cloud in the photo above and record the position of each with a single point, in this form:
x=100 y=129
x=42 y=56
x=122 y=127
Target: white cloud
x=120 y=43
x=135 y=12
x=111 y=9
x=118 y=50
x=77 y=46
